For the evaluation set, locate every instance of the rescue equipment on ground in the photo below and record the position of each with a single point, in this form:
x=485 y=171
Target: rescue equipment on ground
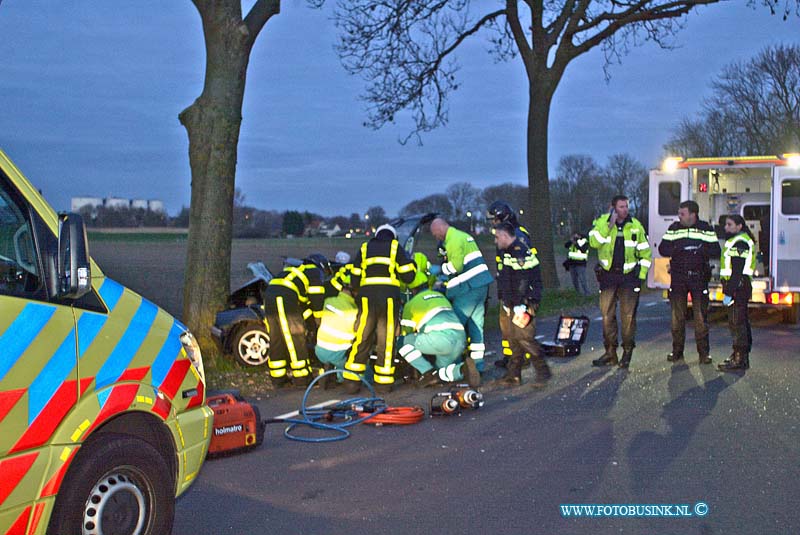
x=237 y=423
x=343 y=414
x=570 y=335
x=451 y=402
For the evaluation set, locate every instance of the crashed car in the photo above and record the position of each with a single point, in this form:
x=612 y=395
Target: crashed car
x=240 y=329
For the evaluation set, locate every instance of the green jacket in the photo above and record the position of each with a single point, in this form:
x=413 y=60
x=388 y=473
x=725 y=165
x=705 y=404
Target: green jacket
x=429 y=311
x=637 y=248
x=465 y=264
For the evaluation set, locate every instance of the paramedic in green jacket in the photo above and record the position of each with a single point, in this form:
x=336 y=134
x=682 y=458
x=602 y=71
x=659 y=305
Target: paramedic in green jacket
x=623 y=253
x=430 y=327
x=467 y=285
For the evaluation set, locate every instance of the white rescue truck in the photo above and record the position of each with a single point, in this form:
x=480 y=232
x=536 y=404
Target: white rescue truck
x=764 y=190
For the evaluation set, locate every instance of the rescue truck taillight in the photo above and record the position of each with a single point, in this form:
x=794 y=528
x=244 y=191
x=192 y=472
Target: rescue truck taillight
x=777 y=298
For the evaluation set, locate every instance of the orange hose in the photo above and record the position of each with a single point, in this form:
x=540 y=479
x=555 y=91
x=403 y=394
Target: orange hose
x=396 y=416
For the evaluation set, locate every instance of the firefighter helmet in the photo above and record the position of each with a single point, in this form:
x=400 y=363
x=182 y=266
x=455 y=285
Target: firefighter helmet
x=321 y=262
x=499 y=211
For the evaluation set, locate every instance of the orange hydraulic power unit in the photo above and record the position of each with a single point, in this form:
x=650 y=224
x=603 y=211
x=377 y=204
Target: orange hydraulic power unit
x=237 y=424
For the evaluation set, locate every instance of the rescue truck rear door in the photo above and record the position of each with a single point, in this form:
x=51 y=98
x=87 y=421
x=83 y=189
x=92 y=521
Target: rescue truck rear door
x=668 y=188
x=785 y=254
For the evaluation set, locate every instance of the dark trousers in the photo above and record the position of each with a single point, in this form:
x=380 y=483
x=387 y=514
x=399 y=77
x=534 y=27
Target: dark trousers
x=287 y=334
x=376 y=326
x=623 y=290
x=738 y=318
x=678 y=299
x=578 y=274
x=521 y=342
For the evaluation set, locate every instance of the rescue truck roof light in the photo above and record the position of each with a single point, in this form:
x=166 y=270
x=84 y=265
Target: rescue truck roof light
x=670 y=164
x=792 y=160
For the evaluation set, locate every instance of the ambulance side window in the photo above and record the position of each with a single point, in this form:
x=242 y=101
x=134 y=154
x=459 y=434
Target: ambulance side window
x=669 y=198
x=790 y=195
x=19 y=266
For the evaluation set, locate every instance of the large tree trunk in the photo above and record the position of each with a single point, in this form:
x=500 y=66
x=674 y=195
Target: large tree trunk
x=213 y=122
x=538 y=211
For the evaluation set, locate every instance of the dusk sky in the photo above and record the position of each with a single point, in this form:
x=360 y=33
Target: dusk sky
x=91 y=92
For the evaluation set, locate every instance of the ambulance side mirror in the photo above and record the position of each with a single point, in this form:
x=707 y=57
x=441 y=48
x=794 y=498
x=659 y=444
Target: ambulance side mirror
x=73 y=271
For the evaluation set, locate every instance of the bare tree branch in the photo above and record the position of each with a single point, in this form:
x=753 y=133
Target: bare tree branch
x=260 y=13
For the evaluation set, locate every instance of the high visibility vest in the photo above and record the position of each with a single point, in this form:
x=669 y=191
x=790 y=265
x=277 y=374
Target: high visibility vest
x=575 y=252
x=465 y=264
x=729 y=251
x=337 y=329
x=310 y=293
x=429 y=311
x=637 y=249
x=381 y=270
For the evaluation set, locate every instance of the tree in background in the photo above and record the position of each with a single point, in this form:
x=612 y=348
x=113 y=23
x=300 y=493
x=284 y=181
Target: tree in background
x=515 y=195
x=404 y=50
x=376 y=216
x=212 y=123
x=464 y=198
x=628 y=176
x=754 y=109
x=582 y=193
x=293 y=223
x=437 y=202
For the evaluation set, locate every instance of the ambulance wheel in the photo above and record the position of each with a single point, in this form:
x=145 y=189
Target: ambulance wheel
x=117 y=484
x=251 y=344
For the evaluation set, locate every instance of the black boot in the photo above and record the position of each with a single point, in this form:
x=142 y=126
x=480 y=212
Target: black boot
x=513 y=375
x=429 y=378
x=543 y=373
x=470 y=372
x=625 y=361
x=501 y=362
x=351 y=387
x=609 y=358
x=705 y=359
x=675 y=356
x=736 y=363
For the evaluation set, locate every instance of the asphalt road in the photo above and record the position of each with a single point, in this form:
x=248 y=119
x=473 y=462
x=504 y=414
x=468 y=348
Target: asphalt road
x=656 y=434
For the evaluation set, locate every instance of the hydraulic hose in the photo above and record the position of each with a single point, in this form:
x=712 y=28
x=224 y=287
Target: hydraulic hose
x=347 y=413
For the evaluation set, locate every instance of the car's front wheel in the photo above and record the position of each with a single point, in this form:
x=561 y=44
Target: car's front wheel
x=251 y=344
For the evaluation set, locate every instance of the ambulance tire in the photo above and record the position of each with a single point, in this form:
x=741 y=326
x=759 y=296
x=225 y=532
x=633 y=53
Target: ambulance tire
x=115 y=477
x=250 y=344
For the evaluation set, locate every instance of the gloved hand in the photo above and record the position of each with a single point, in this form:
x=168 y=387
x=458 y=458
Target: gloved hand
x=727 y=300
x=448 y=269
x=520 y=309
x=435 y=269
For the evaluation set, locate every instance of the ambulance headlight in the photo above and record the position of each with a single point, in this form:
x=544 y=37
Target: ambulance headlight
x=192 y=349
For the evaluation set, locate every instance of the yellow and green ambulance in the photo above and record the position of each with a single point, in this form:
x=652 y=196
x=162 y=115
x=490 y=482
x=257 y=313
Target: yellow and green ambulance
x=103 y=419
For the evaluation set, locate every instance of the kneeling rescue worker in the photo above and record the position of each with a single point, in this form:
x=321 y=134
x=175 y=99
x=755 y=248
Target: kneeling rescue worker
x=378 y=269
x=431 y=327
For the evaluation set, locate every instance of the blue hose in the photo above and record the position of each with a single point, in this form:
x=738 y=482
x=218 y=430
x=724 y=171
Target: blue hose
x=345 y=410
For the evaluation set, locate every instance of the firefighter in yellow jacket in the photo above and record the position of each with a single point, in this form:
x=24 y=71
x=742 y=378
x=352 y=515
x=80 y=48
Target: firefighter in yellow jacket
x=379 y=268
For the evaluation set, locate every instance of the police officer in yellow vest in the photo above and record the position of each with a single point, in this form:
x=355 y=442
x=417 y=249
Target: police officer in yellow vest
x=737 y=266
x=624 y=256
x=379 y=268
x=577 y=255
x=290 y=302
x=432 y=329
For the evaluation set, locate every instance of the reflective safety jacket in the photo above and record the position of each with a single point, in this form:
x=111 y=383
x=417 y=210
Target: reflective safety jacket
x=379 y=268
x=689 y=250
x=429 y=311
x=637 y=249
x=522 y=235
x=307 y=282
x=465 y=265
x=337 y=329
x=342 y=277
x=578 y=251
x=520 y=281
x=738 y=259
